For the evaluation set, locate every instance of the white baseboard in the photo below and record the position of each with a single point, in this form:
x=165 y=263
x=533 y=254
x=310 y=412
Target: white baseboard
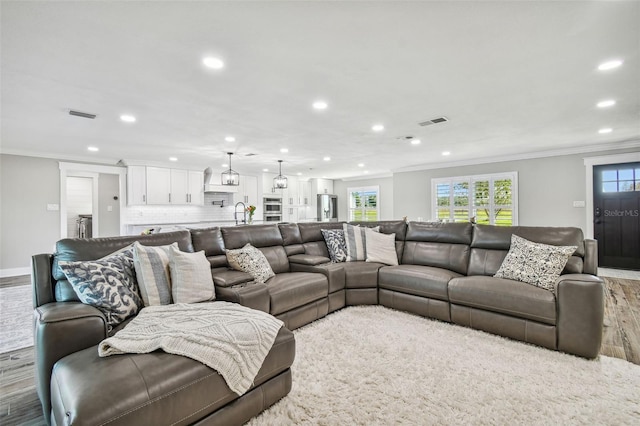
x=15 y=272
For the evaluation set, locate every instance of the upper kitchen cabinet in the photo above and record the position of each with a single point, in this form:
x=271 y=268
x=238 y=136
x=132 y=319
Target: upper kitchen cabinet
x=321 y=186
x=136 y=185
x=304 y=192
x=247 y=191
x=161 y=186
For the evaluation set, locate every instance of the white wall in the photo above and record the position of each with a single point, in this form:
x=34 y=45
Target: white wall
x=386 y=200
x=109 y=208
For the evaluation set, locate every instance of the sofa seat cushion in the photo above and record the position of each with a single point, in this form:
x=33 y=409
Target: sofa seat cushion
x=361 y=274
x=291 y=290
x=506 y=296
x=146 y=389
x=418 y=280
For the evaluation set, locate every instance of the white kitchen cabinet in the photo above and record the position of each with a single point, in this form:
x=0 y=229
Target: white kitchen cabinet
x=304 y=192
x=196 y=188
x=136 y=185
x=247 y=191
x=158 y=185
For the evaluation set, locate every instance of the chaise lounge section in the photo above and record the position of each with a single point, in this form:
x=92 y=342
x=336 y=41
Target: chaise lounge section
x=444 y=271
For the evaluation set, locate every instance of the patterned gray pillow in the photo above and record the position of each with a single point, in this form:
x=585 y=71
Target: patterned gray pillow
x=534 y=263
x=336 y=244
x=252 y=261
x=107 y=284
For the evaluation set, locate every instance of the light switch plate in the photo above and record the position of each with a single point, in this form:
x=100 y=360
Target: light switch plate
x=109 y=208
x=579 y=204
x=53 y=207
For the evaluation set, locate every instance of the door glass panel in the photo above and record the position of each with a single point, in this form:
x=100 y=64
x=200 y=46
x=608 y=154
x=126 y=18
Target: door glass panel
x=638 y=185
x=626 y=185
x=481 y=193
x=502 y=192
x=461 y=194
x=443 y=214
x=461 y=215
x=504 y=217
x=609 y=175
x=610 y=187
x=443 y=194
x=482 y=216
x=626 y=174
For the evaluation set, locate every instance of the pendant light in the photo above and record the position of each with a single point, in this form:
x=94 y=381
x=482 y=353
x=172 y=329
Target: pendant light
x=230 y=177
x=280 y=181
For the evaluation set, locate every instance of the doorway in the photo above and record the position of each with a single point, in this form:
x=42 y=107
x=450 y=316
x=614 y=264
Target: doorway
x=616 y=213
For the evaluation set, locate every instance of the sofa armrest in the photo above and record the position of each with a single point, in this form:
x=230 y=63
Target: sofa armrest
x=42 y=282
x=333 y=271
x=230 y=277
x=308 y=259
x=590 y=265
x=252 y=295
x=62 y=328
x=580 y=305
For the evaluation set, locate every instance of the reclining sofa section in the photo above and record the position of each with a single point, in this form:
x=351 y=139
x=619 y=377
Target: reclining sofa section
x=445 y=272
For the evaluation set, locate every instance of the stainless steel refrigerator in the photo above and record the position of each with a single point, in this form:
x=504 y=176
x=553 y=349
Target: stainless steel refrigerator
x=327 y=208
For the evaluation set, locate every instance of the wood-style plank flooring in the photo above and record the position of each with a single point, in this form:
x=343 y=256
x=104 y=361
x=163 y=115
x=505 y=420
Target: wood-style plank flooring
x=19 y=404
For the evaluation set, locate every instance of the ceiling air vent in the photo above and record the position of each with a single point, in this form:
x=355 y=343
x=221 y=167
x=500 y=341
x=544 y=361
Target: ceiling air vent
x=434 y=121
x=251 y=154
x=82 y=114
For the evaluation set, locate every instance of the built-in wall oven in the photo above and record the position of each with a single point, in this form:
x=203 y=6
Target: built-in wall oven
x=272 y=208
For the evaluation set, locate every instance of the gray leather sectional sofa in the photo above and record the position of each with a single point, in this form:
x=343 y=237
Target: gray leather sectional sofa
x=445 y=272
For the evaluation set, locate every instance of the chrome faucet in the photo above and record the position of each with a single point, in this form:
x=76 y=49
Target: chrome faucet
x=244 y=212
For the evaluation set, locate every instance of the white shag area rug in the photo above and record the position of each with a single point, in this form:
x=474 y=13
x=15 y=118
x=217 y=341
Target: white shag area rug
x=372 y=365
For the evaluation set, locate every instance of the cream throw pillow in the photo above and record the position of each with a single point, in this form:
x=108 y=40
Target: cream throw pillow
x=381 y=247
x=191 y=280
x=252 y=261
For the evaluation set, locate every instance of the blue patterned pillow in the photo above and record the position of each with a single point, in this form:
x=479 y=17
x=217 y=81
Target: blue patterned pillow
x=108 y=284
x=336 y=244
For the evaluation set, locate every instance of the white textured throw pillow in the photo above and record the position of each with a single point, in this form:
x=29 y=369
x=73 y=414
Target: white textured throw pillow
x=152 y=271
x=534 y=263
x=381 y=247
x=252 y=261
x=191 y=280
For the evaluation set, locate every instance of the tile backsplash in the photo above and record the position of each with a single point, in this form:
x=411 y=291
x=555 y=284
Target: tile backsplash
x=151 y=215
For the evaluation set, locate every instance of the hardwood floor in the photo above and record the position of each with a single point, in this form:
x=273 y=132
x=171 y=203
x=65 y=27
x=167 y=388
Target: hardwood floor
x=19 y=404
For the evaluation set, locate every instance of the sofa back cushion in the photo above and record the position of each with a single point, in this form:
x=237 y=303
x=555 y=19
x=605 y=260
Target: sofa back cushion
x=312 y=238
x=490 y=245
x=267 y=238
x=441 y=245
x=398 y=227
x=75 y=249
x=291 y=238
x=210 y=241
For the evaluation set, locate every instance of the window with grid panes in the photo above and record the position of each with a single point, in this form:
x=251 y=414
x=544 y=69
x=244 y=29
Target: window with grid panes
x=621 y=180
x=488 y=199
x=363 y=203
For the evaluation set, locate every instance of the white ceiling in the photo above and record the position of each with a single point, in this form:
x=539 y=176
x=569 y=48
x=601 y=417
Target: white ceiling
x=514 y=78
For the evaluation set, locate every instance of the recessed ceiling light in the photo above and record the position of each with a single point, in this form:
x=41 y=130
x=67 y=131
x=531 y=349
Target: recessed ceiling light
x=230 y=139
x=320 y=105
x=607 y=103
x=327 y=158
x=284 y=150
x=360 y=164
x=609 y=65
x=366 y=171
x=173 y=158
x=377 y=127
x=128 y=118
x=415 y=141
x=605 y=130
x=225 y=165
x=93 y=148
x=214 y=63
x=445 y=153
x=324 y=177
x=265 y=170
x=299 y=174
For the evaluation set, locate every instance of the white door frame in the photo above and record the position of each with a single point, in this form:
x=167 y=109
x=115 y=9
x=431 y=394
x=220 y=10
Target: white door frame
x=590 y=162
x=90 y=171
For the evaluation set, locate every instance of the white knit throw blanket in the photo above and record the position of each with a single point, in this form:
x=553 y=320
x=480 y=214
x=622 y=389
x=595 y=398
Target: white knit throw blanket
x=232 y=339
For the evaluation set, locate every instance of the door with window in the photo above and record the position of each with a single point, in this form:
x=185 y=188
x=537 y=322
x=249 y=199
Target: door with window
x=616 y=203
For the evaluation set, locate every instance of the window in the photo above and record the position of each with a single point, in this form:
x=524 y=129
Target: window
x=621 y=180
x=363 y=203
x=488 y=199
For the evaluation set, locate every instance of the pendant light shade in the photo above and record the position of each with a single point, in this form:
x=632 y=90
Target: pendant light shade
x=280 y=181
x=230 y=177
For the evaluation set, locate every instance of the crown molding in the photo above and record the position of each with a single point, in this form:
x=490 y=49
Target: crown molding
x=57 y=156
x=633 y=143
x=373 y=176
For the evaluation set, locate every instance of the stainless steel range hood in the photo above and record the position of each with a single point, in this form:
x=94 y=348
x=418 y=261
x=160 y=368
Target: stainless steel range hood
x=212 y=183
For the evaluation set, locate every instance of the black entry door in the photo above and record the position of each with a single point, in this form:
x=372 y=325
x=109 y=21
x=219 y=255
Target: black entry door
x=616 y=196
